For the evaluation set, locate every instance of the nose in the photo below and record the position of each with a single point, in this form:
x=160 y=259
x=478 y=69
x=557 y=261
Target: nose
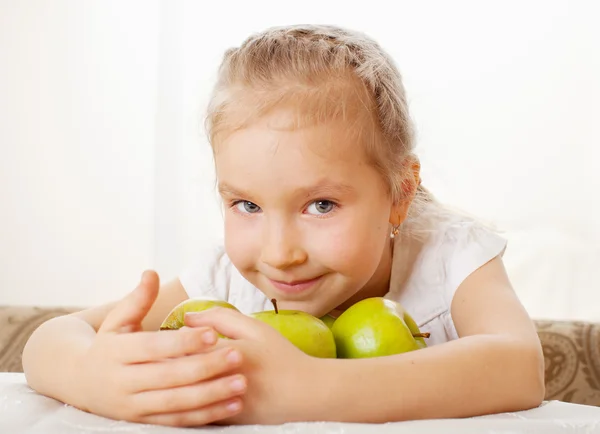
x=281 y=246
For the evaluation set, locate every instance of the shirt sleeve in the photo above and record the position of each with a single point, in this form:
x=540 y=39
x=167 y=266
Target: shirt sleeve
x=468 y=246
x=209 y=274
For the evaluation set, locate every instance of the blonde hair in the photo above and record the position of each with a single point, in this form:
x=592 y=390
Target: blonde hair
x=330 y=72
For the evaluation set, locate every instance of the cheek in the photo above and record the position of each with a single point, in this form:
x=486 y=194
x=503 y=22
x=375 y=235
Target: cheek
x=353 y=246
x=240 y=243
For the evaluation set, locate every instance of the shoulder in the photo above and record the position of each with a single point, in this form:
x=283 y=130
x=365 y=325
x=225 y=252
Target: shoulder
x=212 y=274
x=208 y=273
x=464 y=245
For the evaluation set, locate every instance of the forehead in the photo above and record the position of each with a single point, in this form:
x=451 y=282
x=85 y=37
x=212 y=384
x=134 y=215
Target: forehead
x=272 y=142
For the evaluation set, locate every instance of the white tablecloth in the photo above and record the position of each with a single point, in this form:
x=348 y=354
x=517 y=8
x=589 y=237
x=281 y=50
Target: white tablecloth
x=22 y=411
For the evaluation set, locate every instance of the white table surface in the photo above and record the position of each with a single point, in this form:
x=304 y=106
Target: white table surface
x=23 y=411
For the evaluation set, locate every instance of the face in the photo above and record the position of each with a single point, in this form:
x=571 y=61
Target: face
x=306 y=216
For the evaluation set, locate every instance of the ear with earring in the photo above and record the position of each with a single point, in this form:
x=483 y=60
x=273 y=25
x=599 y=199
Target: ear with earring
x=409 y=188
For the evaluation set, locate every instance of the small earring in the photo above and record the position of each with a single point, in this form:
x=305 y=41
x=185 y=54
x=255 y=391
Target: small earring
x=395 y=231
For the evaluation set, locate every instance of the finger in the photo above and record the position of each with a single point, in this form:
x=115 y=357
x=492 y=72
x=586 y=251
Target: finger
x=131 y=310
x=182 y=371
x=190 y=397
x=204 y=416
x=229 y=323
x=153 y=346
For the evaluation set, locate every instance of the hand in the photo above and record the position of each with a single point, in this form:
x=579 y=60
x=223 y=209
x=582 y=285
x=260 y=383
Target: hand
x=282 y=379
x=161 y=377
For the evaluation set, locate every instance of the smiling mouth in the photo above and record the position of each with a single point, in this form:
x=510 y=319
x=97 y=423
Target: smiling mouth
x=296 y=286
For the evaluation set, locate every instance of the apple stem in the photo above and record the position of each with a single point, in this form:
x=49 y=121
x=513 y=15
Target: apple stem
x=275 y=305
x=421 y=335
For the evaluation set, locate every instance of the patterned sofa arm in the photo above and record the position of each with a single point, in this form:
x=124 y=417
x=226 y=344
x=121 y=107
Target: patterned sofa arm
x=572 y=360
x=571 y=351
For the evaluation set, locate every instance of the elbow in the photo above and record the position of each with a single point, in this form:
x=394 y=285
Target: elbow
x=530 y=361
x=538 y=393
x=31 y=356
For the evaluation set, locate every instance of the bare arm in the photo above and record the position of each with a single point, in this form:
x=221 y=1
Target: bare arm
x=52 y=352
x=496 y=366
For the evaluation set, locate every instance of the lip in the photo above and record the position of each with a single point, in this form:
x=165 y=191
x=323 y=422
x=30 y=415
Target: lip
x=295 y=287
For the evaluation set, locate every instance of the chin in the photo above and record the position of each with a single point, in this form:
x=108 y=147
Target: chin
x=307 y=301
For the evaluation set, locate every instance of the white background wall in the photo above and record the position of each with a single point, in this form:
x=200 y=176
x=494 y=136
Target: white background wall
x=104 y=169
x=78 y=104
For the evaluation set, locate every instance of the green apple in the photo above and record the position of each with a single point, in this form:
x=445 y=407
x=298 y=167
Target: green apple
x=305 y=331
x=328 y=320
x=175 y=319
x=376 y=327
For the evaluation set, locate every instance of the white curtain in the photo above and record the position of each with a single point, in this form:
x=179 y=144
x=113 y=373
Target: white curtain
x=505 y=98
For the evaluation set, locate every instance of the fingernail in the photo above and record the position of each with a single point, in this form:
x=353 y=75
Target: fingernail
x=238 y=384
x=234 y=406
x=209 y=337
x=233 y=357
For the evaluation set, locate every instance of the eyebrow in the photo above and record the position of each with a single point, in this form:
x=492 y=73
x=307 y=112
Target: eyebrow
x=227 y=190
x=322 y=188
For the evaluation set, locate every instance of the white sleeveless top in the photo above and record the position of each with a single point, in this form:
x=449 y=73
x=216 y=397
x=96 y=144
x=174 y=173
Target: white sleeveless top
x=426 y=271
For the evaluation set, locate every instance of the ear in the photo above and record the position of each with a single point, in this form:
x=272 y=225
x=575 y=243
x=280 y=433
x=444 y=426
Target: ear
x=410 y=183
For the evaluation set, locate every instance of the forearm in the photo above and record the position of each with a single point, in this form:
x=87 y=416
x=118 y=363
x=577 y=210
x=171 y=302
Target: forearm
x=51 y=354
x=467 y=377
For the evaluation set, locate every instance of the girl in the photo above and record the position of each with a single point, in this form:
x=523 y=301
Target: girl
x=313 y=148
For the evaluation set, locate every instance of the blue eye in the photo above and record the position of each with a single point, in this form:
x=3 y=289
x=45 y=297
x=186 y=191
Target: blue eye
x=246 y=207
x=320 y=207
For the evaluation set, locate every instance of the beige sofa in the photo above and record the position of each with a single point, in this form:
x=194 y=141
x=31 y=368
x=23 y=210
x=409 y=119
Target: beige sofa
x=571 y=350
